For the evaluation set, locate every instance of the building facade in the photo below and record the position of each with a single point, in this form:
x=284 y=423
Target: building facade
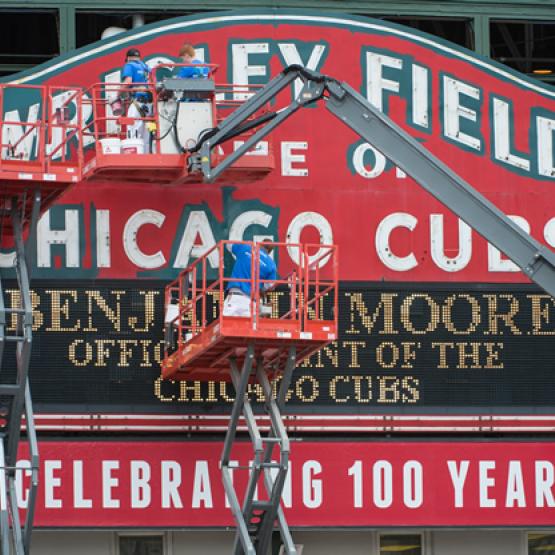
x=427 y=428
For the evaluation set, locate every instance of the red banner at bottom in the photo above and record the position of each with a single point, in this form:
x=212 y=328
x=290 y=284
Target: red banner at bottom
x=178 y=484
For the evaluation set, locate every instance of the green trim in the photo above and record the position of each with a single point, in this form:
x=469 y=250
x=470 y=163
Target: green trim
x=478 y=12
x=482 y=44
x=209 y=21
x=501 y=8
x=213 y=21
x=67 y=29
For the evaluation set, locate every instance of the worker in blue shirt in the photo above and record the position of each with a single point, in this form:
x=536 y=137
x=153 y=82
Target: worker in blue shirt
x=238 y=301
x=135 y=72
x=187 y=55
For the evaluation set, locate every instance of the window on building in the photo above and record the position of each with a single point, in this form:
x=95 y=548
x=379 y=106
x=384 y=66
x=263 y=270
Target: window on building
x=527 y=46
x=541 y=544
x=90 y=24
x=407 y=544
x=140 y=545
x=457 y=30
x=39 y=43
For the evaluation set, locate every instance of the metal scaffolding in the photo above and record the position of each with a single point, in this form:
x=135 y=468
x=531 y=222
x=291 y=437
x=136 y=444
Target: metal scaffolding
x=16 y=326
x=255 y=518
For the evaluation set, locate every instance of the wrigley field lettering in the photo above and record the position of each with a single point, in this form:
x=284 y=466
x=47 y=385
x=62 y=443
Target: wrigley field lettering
x=492 y=126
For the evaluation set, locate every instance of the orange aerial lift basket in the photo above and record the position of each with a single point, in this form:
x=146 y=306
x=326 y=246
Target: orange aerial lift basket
x=53 y=137
x=298 y=309
x=259 y=338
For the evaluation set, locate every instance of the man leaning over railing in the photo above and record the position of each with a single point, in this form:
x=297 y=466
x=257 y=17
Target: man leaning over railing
x=238 y=298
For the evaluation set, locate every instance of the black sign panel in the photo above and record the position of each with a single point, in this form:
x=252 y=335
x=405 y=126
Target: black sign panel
x=401 y=348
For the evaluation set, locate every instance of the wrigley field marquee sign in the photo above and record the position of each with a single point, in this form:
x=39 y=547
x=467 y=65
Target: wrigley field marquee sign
x=417 y=331
x=489 y=124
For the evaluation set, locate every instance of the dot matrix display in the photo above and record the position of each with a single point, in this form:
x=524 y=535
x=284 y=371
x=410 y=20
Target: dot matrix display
x=401 y=348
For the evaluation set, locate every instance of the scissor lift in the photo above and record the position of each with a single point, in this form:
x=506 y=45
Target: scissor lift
x=204 y=343
x=15 y=398
x=32 y=176
x=51 y=139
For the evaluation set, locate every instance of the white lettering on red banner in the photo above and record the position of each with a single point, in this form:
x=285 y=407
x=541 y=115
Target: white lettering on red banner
x=329 y=484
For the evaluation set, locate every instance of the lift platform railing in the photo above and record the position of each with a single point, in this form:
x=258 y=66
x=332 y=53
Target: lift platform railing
x=40 y=128
x=52 y=129
x=22 y=136
x=110 y=103
x=195 y=299
x=64 y=147
x=321 y=279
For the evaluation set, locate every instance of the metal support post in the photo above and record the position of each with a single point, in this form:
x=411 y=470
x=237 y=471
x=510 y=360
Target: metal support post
x=256 y=518
x=230 y=127
x=15 y=397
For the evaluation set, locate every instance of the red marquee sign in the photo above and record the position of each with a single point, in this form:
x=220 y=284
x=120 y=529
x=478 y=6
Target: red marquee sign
x=488 y=123
x=373 y=484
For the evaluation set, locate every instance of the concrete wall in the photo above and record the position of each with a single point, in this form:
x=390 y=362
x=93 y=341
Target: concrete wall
x=487 y=542
x=335 y=543
x=470 y=542
x=70 y=543
x=202 y=543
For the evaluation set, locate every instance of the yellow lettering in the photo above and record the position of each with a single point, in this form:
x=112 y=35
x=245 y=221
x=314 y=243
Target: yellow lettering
x=495 y=317
x=358 y=307
x=476 y=317
x=541 y=313
x=149 y=312
x=112 y=314
x=433 y=319
x=82 y=360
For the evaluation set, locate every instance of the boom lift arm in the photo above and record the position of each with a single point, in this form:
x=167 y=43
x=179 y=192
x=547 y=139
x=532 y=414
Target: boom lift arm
x=533 y=258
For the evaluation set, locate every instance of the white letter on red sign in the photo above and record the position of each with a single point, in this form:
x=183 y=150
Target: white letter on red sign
x=242 y=71
x=171 y=480
x=130 y=244
x=108 y=483
x=140 y=487
x=382 y=484
x=498 y=264
x=312 y=489
x=21 y=494
x=79 y=502
x=295 y=230
x=515 y=486
x=544 y=484
x=386 y=227
x=446 y=263
x=453 y=111
x=458 y=478
x=51 y=482
x=356 y=472
x=288 y=158
x=68 y=237
x=412 y=484
x=197 y=228
x=376 y=83
x=545 y=129
x=486 y=482
x=202 y=491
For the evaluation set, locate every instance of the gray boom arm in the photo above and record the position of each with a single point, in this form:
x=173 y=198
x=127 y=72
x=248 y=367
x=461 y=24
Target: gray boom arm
x=535 y=260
